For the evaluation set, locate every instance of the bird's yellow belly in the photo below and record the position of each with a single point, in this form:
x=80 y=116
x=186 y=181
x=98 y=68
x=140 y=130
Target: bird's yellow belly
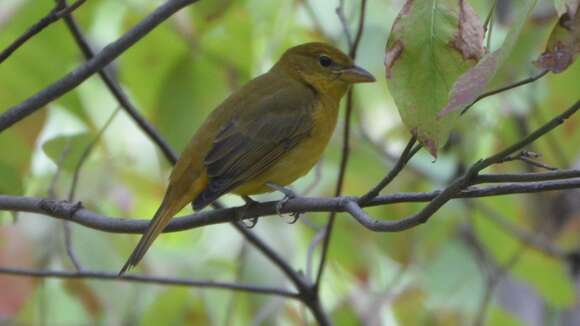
x=296 y=162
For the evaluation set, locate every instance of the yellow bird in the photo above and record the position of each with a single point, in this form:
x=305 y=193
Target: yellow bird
x=273 y=130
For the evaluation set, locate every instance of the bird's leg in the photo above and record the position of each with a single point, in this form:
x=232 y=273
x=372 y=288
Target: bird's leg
x=288 y=194
x=249 y=203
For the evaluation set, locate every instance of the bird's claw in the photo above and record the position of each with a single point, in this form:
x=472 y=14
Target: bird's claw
x=250 y=222
x=288 y=195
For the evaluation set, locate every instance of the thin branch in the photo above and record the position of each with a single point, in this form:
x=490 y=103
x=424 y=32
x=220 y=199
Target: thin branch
x=296 y=279
x=344 y=23
x=240 y=264
x=319 y=236
x=407 y=154
x=69 y=247
x=118 y=92
x=105 y=276
x=70 y=212
x=506 y=88
x=314 y=18
x=98 y=62
x=54 y=15
x=71 y=195
x=527 y=177
x=86 y=153
x=345 y=146
x=528 y=238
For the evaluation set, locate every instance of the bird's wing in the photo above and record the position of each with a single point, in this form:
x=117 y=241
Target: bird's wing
x=249 y=144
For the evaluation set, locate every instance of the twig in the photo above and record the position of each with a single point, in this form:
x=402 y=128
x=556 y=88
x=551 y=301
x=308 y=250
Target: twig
x=105 y=276
x=85 y=155
x=298 y=280
x=345 y=148
x=98 y=62
x=530 y=239
x=69 y=247
x=54 y=15
x=71 y=195
x=314 y=18
x=407 y=154
x=319 y=236
x=458 y=184
x=344 y=23
x=306 y=291
x=240 y=262
x=119 y=94
x=506 y=88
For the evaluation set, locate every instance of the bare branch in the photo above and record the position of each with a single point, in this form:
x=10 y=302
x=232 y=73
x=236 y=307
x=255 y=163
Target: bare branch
x=70 y=212
x=506 y=88
x=119 y=94
x=85 y=155
x=54 y=15
x=345 y=145
x=103 y=58
x=105 y=276
x=407 y=154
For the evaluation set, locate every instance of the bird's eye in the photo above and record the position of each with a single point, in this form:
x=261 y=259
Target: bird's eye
x=325 y=61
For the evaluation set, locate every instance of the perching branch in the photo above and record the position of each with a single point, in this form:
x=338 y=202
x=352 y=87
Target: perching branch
x=71 y=212
x=98 y=62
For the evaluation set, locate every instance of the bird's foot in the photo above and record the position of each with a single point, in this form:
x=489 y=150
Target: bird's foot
x=250 y=222
x=288 y=195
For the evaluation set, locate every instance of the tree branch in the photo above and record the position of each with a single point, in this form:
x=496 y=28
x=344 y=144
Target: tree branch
x=345 y=142
x=407 y=154
x=54 y=15
x=105 y=276
x=98 y=62
x=118 y=93
x=70 y=212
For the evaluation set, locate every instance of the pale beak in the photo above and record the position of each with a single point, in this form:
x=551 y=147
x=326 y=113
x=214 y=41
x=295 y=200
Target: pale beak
x=356 y=74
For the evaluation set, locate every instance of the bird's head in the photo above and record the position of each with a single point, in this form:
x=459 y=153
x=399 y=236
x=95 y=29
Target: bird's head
x=323 y=67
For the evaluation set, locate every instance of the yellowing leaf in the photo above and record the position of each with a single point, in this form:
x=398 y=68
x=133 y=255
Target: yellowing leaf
x=431 y=44
x=563 y=45
x=473 y=83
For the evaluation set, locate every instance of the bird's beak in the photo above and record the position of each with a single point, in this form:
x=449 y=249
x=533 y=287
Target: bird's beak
x=356 y=74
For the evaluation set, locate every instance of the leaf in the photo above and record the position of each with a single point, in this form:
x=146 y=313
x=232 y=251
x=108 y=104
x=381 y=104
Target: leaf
x=193 y=87
x=431 y=44
x=474 y=82
x=66 y=151
x=567 y=6
x=563 y=45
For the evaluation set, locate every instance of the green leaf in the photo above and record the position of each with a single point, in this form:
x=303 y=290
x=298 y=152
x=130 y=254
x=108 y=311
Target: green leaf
x=431 y=44
x=194 y=86
x=474 y=82
x=169 y=308
x=11 y=181
x=66 y=151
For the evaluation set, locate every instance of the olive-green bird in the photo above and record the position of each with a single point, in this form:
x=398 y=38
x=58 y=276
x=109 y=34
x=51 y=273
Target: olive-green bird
x=271 y=131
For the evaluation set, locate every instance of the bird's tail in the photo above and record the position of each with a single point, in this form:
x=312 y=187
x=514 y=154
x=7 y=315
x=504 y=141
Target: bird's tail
x=168 y=208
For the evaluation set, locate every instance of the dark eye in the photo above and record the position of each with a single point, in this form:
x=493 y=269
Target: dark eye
x=325 y=61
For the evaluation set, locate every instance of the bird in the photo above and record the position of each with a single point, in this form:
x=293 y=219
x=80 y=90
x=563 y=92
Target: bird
x=264 y=136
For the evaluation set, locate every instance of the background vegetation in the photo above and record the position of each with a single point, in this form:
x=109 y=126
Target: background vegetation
x=502 y=260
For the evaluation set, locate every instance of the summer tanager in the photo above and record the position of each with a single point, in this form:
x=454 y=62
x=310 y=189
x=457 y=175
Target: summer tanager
x=273 y=130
